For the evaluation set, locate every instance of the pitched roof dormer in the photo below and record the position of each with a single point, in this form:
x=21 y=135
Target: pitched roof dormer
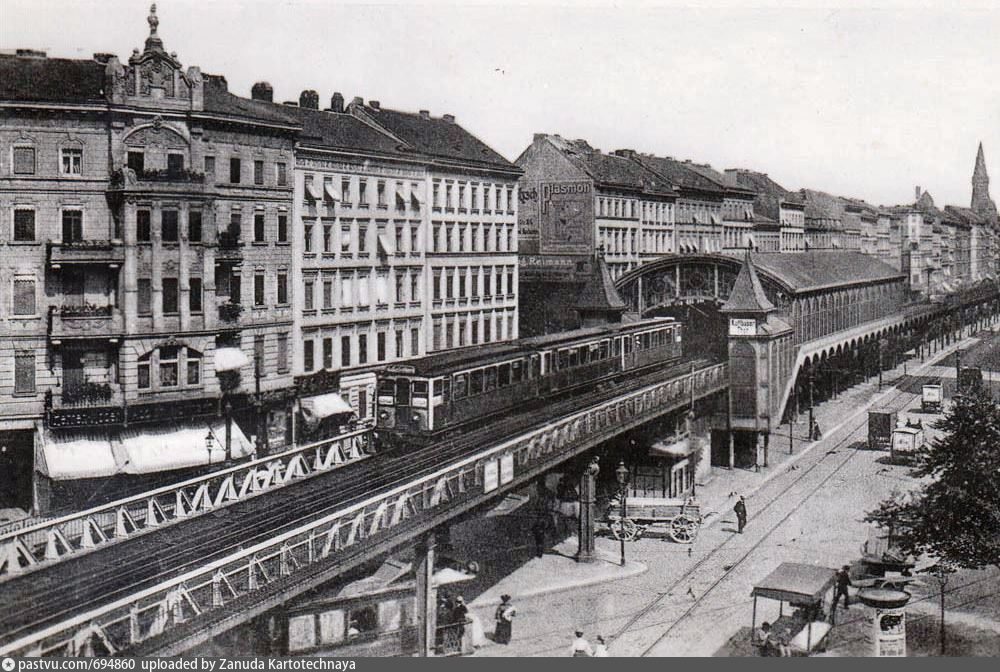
x=747 y=296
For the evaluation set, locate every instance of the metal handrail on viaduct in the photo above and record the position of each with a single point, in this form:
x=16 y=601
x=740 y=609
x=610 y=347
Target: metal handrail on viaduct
x=183 y=611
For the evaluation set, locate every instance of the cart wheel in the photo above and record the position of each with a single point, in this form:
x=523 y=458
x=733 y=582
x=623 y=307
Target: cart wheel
x=683 y=529
x=629 y=530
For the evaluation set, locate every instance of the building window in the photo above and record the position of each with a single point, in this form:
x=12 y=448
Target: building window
x=362 y=239
x=327 y=237
x=282 y=175
x=72 y=161
x=143 y=228
x=380 y=346
x=72 y=226
x=258 y=289
x=345 y=190
x=345 y=351
x=24 y=160
x=461 y=283
x=308 y=288
x=168 y=222
x=210 y=167
x=168 y=366
x=437 y=284
x=414 y=287
x=362 y=348
x=194 y=226
x=436 y=198
x=327 y=353
x=307 y=355
x=258 y=172
x=234 y=170
x=363 y=193
x=282 y=228
x=414 y=342
x=307 y=236
x=328 y=293
x=175 y=165
x=194 y=295
x=24 y=296
x=24 y=372
x=448 y=204
x=282 y=353
x=282 y=288
x=400 y=339
x=258 y=227
x=144 y=296
x=142 y=369
x=24 y=225
x=193 y=366
x=345 y=238
x=380 y=193
x=400 y=235
x=400 y=287
x=235 y=224
x=170 y=296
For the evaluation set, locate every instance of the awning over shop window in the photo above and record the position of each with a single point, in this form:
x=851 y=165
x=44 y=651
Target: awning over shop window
x=400 y=197
x=384 y=245
x=230 y=359
x=416 y=197
x=152 y=449
x=313 y=193
x=715 y=218
x=680 y=448
x=323 y=406
x=331 y=191
x=72 y=455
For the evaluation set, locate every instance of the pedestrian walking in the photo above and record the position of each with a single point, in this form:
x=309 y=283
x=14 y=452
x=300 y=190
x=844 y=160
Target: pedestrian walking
x=538 y=532
x=504 y=619
x=843 y=581
x=601 y=648
x=741 y=514
x=814 y=432
x=580 y=648
x=459 y=615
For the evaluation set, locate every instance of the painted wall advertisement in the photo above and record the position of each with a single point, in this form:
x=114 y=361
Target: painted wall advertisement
x=566 y=214
x=887 y=628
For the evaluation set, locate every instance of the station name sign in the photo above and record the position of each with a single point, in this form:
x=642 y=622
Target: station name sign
x=740 y=326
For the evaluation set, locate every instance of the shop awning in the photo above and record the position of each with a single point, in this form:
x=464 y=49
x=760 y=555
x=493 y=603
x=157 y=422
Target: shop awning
x=68 y=456
x=446 y=576
x=313 y=193
x=180 y=446
x=794 y=581
x=322 y=406
x=230 y=359
x=416 y=197
x=680 y=448
x=331 y=191
x=384 y=245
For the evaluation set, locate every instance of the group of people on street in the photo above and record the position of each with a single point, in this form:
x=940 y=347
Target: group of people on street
x=581 y=648
x=455 y=613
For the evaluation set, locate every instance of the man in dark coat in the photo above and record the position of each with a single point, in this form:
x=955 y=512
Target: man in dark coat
x=843 y=581
x=741 y=514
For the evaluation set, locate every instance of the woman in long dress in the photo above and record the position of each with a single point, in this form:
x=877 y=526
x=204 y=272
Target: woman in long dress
x=504 y=618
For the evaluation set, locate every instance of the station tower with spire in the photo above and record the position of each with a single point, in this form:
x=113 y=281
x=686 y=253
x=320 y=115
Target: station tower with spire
x=982 y=204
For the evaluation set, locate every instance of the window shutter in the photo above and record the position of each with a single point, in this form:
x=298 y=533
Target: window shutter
x=24 y=296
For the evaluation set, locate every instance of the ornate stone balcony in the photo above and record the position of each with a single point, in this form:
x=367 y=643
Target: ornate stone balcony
x=106 y=252
x=85 y=321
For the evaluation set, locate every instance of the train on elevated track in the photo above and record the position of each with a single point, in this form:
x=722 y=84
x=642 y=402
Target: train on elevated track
x=434 y=396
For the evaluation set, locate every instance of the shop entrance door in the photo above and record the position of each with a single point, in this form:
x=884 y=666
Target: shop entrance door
x=17 y=454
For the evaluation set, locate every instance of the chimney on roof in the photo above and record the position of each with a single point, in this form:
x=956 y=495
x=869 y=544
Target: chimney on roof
x=337 y=102
x=31 y=53
x=103 y=57
x=425 y=114
x=309 y=99
x=262 y=91
x=375 y=105
x=450 y=118
x=358 y=100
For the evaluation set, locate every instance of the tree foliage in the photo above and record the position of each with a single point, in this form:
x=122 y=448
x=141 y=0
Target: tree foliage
x=955 y=514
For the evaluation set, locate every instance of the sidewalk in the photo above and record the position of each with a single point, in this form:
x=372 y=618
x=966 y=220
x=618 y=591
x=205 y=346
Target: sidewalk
x=716 y=496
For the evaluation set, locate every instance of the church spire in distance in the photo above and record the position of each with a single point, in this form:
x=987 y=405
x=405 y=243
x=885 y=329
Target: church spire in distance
x=982 y=204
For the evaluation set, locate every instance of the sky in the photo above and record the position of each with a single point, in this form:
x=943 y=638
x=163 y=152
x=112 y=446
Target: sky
x=858 y=102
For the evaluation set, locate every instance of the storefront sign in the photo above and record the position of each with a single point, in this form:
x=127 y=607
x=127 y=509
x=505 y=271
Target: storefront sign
x=491 y=473
x=506 y=469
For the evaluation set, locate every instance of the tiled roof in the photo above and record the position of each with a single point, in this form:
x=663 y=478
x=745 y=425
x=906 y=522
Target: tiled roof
x=806 y=271
x=822 y=209
x=218 y=100
x=748 y=294
x=611 y=169
x=438 y=137
x=679 y=174
x=599 y=292
x=54 y=80
x=338 y=130
x=720 y=180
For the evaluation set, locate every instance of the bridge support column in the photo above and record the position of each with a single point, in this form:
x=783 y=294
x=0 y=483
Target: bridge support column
x=423 y=561
x=588 y=495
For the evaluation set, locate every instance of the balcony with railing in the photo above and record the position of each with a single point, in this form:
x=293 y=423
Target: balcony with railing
x=108 y=252
x=149 y=180
x=84 y=321
x=85 y=404
x=228 y=246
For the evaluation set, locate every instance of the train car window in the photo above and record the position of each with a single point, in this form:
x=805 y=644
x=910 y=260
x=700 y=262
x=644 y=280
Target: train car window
x=503 y=375
x=563 y=359
x=460 y=386
x=616 y=346
x=476 y=382
x=386 y=391
x=605 y=349
x=490 y=379
x=646 y=340
x=403 y=391
x=420 y=393
x=627 y=342
x=574 y=358
x=584 y=354
x=536 y=365
x=443 y=389
x=516 y=372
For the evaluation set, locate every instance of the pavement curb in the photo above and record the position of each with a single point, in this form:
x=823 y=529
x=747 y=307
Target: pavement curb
x=630 y=570
x=710 y=519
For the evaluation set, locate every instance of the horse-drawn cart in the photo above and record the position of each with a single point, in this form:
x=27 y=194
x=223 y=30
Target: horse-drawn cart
x=679 y=518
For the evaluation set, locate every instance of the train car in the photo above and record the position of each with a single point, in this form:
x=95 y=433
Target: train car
x=444 y=390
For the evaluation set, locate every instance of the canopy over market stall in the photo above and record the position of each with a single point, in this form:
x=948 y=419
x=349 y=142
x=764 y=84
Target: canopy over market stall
x=800 y=585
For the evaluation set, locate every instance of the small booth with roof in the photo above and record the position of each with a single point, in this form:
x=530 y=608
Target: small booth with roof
x=804 y=587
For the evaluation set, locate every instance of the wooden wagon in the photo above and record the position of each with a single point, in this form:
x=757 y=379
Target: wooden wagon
x=679 y=518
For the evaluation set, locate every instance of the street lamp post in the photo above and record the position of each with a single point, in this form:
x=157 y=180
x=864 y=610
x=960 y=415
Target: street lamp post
x=622 y=474
x=811 y=403
x=209 y=445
